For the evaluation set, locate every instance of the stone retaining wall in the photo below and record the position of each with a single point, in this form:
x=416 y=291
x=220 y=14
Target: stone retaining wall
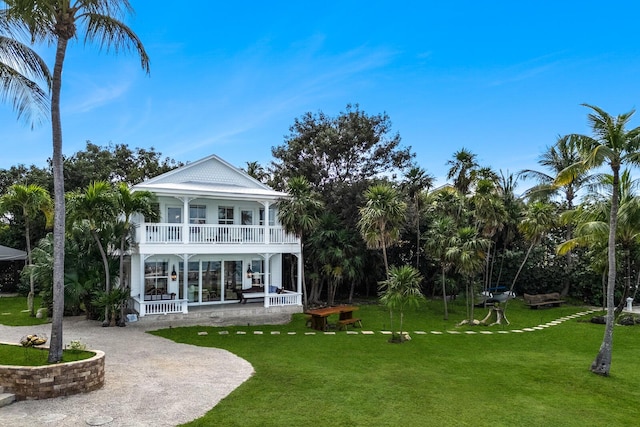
x=62 y=379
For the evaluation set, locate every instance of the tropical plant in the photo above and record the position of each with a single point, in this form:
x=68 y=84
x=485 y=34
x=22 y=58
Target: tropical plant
x=466 y=251
x=438 y=238
x=401 y=290
x=97 y=207
x=416 y=183
x=463 y=170
x=21 y=71
x=611 y=144
x=298 y=214
x=57 y=22
x=381 y=218
x=28 y=200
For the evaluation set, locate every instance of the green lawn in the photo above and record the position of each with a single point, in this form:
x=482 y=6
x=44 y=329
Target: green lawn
x=20 y=356
x=13 y=312
x=536 y=378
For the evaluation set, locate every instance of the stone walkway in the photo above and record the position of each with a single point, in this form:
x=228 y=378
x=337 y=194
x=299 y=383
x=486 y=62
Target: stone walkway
x=149 y=381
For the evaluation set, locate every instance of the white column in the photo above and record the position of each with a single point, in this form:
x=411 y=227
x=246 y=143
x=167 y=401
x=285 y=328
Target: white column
x=267 y=226
x=185 y=261
x=267 y=279
x=300 y=267
x=185 y=220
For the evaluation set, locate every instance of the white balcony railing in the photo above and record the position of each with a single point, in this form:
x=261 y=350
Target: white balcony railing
x=213 y=233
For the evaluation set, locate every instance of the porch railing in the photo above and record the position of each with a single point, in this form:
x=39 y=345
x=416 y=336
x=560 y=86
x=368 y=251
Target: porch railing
x=213 y=233
x=285 y=298
x=162 y=307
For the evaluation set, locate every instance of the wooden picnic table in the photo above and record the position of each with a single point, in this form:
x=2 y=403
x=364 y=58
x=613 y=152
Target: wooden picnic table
x=319 y=316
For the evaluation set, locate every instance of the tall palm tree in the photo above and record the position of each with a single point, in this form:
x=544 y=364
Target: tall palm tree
x=97 y=207
x=299 y=214
x=21 y=72
x=57 y=22
x=381 y=218
x=417 y=181
x=438 y=238
x=463 y=170
x=611 y=144
x=538 y=219
x=255 y=170
x=29 y=200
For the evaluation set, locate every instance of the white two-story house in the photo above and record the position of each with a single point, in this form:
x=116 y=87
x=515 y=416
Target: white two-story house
x=218 y=242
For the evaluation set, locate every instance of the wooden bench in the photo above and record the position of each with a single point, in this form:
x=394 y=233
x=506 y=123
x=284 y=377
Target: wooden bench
x=543 y=300
x=342 y=324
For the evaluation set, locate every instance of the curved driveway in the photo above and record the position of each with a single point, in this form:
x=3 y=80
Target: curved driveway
x=149 y=381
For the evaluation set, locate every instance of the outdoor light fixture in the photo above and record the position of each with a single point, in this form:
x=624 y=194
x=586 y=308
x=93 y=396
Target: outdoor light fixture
x=249 y=272
x=174 y=275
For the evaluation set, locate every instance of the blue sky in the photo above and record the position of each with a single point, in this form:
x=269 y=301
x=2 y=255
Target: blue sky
x=500 y=78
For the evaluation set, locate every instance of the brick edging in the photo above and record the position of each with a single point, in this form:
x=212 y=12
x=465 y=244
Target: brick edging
x=61 y=379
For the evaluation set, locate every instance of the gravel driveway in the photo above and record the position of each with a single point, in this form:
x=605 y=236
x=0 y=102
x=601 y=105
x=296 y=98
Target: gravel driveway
x=149 y=381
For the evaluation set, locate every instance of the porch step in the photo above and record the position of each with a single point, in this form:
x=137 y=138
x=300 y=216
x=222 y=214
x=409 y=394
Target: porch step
x=6 y=399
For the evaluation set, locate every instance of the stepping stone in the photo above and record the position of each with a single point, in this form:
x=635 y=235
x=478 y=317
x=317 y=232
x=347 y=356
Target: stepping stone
x=486 y=332
x=203 y=333
x=100 y=420
x=257 y=332
x=528 y=329
x=330 y=333
x=309 y=333
x=436 y=332
x=6 y=314
x=538 y=328
x=241 y=333
x=352 y=332
x=454 y=332
x=385 y=332
x=517 y=331
x=275 y=332
x=503 y=332
x=291 y=333
x=368 y=333
x=546 y=325
x=470 y=332
x=224 y=332
x=419 y=332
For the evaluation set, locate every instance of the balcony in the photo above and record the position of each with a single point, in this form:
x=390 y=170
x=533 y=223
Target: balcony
x=162 y=233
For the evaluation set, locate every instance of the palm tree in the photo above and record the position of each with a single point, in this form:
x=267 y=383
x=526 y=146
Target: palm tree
x=539 y=218
x=127 y=205
x=299 y=213
x=29 y=200
x=21 y=69
x=417 y=181
x=466 y=251
x=438 y=237
x=400 y=291
x=57 y=22
x=613 y=145
x=463 y=170
x=256 y=171
x=97 y=207
x=381 y=218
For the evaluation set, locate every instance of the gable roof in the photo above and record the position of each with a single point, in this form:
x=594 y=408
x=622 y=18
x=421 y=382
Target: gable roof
x=211 y=177
x=10 y=254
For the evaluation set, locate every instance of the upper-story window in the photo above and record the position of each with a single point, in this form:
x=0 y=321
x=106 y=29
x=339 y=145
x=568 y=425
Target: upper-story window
x=272 y=217
x=197 y=214
x=225 y=215
x=246 y=217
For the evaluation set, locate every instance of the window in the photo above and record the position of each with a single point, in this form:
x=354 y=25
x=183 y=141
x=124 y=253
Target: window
x=225 y=215
x=156 y=277
x=272 y=216
x=247 y=217
x=197 y=214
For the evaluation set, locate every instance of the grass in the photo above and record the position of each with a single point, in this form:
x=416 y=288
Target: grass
x=13 y=312
x=20 y=356
x=530 y=378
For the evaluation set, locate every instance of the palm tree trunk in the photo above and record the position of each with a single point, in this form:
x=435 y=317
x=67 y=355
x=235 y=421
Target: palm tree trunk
x=56 y=342
x=32 y=287
x=107 y=278
x=513 y=284
x=444 y=295
x=602 y=363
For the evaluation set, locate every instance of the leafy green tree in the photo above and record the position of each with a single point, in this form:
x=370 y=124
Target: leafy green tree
x=611 y=144
x=400 y=291
x=97 y=207
x=381 y=218
x=22 y=71
x=57 y=22
x=299 y=214
x=29 y=201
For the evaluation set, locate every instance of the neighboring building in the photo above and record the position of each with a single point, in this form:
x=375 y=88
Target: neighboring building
x=218 y=242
